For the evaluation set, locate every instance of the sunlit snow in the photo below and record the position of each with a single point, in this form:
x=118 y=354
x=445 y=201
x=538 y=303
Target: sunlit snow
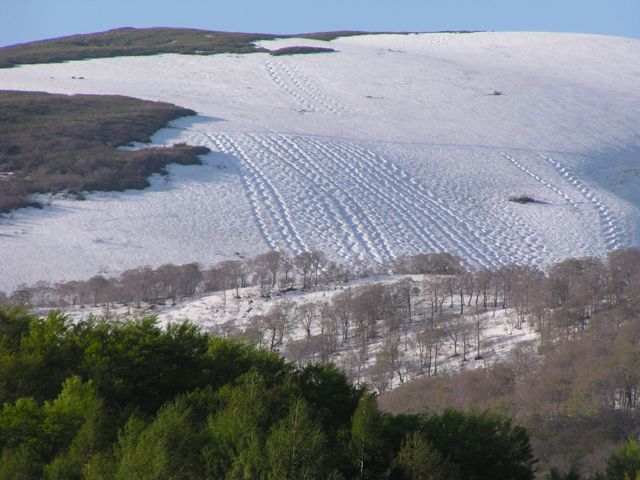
x=393 y=144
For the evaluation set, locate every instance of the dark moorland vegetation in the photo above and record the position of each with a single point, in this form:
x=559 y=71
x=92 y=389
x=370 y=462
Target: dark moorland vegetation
x=52 y=143
x=300 y=50
x=101 y=399
x=145 y=41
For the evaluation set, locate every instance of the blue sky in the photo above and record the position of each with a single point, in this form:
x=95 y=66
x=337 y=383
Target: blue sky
x=26 y=20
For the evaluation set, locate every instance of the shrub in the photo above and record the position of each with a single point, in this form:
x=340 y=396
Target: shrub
x=522 y=199
x=300 y=50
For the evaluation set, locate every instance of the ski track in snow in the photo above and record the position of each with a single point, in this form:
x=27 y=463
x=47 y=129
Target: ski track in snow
x=613 y=234
x=305 y=84
x=459 y=232
x=297 y=85
x=263 y=192
x=350 y=200
x=539 y=179
x=345 y=221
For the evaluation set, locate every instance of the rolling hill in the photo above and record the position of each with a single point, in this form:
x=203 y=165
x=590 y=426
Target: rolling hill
x=390 y=145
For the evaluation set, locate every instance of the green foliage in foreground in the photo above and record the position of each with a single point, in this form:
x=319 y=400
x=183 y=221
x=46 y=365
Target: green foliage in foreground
x=103 y=399
x=622 y=464
x=51 y=143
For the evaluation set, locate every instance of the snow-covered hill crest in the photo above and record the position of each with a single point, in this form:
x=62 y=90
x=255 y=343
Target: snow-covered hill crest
x=392 y=144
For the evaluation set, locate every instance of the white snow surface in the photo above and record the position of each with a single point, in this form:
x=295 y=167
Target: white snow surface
x=393 y=144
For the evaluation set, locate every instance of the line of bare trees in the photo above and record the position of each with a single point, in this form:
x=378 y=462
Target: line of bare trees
x=168 y=283
x=578 y=389
x=385 y=332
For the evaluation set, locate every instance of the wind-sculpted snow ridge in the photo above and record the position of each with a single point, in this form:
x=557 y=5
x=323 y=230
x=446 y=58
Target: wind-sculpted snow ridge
x=390 y=145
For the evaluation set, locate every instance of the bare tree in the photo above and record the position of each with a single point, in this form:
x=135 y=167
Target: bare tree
x=235 y=274
x=21 y=295
x=461 y=283
x=353 y=362
x=190 y=278
x=318 y=260
x=307 y=314
x=369 y=305
x=300 y=351
x=467 y=335
x=304 y=263
x=622 y=265
x=523 y=282
x=429 y=341
x=428 y=263
x=453 y=326
x=434 y=288
x=66 y=292
x=361 y=268
x=254 y=332
x=382 y=372
x=405 y=290
x=336 y=272
x=277 y=323
x=479 y=322
x=329 y=329
x=483 y=284
x=137 y=282
x=262 y=269
x=274 y=262
x=577 y=287
x=228 y=329
x=98 y=286
x=341 y=307
x=168 y=277
x=214 y=279
x=287 y=267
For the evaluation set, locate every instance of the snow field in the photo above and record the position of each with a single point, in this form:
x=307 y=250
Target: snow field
x=395 y=144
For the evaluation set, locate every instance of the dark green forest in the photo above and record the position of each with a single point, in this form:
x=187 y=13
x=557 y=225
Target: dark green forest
x=103 y=399
x=100 y=399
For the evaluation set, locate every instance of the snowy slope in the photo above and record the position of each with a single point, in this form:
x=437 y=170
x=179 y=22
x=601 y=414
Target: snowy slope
x=225 y=315
x=394 y=144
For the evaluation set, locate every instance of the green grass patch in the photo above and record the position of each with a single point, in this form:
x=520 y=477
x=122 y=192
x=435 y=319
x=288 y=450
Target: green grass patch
x=53 y=143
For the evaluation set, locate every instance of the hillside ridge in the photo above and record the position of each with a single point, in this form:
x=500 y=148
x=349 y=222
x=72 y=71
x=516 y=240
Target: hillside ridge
x=392 y=145
x=129 y=41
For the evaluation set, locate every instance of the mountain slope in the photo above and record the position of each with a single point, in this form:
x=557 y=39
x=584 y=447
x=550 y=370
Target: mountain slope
x=140 y=41
x=392 y=144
